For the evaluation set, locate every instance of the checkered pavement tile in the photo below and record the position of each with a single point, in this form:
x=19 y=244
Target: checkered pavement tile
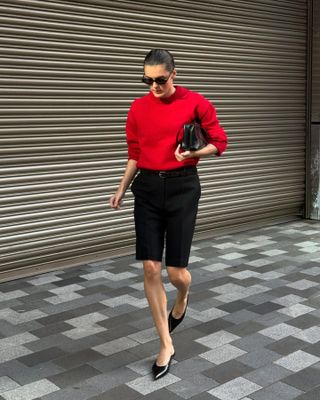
x=252 y=330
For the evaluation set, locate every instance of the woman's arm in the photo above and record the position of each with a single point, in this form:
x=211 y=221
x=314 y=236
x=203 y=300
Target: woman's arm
x=131 y=170
x=205 y=151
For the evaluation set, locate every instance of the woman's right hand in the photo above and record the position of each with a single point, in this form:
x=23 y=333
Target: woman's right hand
x=116 y=200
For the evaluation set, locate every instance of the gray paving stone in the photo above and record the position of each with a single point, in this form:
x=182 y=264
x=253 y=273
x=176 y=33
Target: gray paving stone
x=304 y=380
x=279 y=331
x=146 y=385
x=121 y=392
x=217 y=339
x=277 y=391
x=74 y=375
x=222 y=354
x=115 y=346
x=313 y=394
x=7 y=384
x=259 y=358
x=310 y=335
x=195 y=384
x=253 y=292
x=252 y=342
x=297 y=361
x=226 y=372
x=287 y=345
x=31 y=391
x=235 y=389
x=187 y=368
x=267 y=375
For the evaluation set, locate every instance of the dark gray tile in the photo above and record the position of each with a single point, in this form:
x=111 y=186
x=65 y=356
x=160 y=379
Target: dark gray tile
x=304 y=380
x=305 y=321
x=287 y=345
x=74 y=376
x=227 y=371
x=121 y=392
x=42 y=356
x=234 y=306
x=265 y=308
x=52 y=329
x=313 y=394
x=70 y=361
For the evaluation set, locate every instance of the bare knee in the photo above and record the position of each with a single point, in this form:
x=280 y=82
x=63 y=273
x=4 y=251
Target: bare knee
x=152 y=270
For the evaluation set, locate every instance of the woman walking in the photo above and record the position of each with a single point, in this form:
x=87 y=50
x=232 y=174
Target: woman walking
x=166 y=189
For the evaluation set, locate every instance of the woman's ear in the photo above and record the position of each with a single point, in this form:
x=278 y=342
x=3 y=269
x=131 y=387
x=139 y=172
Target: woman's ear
x=174 y=73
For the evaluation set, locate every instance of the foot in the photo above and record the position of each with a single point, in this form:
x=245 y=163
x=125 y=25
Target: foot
x=159 y=368
x=164 y=355
x=174 y=321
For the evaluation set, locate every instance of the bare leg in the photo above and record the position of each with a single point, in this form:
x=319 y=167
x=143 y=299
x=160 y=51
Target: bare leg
x=157 y=300
x=181 y=279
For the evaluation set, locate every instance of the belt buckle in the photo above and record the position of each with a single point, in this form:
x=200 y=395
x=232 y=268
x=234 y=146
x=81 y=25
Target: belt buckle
x=162 y=174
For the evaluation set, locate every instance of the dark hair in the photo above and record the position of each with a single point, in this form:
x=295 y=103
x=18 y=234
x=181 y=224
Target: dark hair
x=160 y=56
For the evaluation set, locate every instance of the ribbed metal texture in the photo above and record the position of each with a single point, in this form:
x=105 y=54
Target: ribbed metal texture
x=69 y=71
x=316 y=63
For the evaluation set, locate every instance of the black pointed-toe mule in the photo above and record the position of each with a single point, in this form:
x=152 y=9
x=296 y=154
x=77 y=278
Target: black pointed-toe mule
x=160 y=372
x=174 y=322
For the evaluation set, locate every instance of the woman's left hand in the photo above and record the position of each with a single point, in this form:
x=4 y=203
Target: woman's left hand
x=183 y=156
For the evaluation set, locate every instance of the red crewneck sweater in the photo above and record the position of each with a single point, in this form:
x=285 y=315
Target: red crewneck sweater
x=153 y=124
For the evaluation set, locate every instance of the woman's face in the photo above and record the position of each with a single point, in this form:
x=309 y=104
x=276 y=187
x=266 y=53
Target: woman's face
x=160 y=71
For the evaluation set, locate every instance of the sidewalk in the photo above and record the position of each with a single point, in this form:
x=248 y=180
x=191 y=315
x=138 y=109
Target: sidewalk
x=252 y=329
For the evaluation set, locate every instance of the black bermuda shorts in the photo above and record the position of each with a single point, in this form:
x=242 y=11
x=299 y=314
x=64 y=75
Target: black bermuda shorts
x=165 y=210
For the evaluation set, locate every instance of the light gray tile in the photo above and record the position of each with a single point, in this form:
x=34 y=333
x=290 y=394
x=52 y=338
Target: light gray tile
x=125 y=299
x=289 y=300
x=314 y=271
x=206 y=315
x=310 y=335
x=297 y=361
x=146 y=384
x=222 y=354
x=44 y=279
x=235 y=389
x=232 y=256
x=16 y=340
x=15 y=294
x=115 y=346
x=7 y=384
x=279 y=331
x=302 y=284
x=245 y=275
x=216 y=267
x=13 y=352
x=31 y=391
x=260 y=262
x=273 y=252
x=296 y=310
x=16 y=318
x=63 y=298
x=217 y=339
x=145 y=336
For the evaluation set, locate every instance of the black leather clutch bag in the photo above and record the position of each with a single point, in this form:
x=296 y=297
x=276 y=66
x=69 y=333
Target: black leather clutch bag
x=194 y=137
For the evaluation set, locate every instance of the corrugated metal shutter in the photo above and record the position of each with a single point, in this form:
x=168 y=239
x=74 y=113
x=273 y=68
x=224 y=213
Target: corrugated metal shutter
x=69 y=72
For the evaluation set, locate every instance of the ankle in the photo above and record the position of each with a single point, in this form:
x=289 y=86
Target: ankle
x=167 y=343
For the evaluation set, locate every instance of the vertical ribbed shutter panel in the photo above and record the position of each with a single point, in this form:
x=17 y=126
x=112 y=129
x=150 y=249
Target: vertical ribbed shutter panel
x=69 y=72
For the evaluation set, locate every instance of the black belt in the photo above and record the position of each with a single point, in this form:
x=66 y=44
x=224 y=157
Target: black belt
x=171 y=173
